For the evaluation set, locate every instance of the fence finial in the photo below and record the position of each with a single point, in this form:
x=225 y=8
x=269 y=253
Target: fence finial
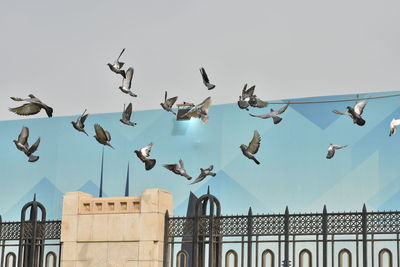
x=34 y=197
x=208 y=190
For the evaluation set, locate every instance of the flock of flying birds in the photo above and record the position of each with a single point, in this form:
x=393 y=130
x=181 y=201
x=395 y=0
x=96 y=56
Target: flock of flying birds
x=247 y=99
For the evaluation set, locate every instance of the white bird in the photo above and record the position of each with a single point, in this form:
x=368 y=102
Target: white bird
x=143 y=154
x=127 y=82
x=200 y=110
x=331 y=150
x=117 y=65
x=393 y=126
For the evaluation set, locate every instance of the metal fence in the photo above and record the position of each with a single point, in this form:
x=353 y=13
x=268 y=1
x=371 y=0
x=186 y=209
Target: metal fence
x=31 y=242
x=325 y=239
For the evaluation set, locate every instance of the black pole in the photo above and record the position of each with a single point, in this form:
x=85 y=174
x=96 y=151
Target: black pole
x=101 y=174
x=364 y=236
x=249 y=237
x=127 y=183
x=324 y=237
x=286 y=249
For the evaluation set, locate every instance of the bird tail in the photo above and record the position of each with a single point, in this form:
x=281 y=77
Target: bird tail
x=213 y=174
x=360 y=121
x=277 y=119
x=110 y=146
x=33 y=158
x=85 y=132
x=132 y=94
x=256 y=161
x=211 y=86
x=149 y=164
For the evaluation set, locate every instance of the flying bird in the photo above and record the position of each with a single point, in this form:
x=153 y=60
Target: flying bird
x=252 y=148
x=79 y=124
x=354 y=112
x=200 y=111
x=126 y=116
x=168 y=103
x=33 y=106
x=204 y=173
x=102 y=136
x=255 y=102
x=178 y=169
x=143 y=154
x=393 y=126
x=243 y=102
x=127 y=83
x=22 y=145
x=206 y=81
x=331 y=150
x=273 y=114
x=117 y=65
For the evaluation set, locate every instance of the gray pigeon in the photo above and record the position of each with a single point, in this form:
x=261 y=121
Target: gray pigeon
x=204 y=173
x=273 y=114
x=178 y=169
x=331 y=150
x=393 y=126
x=33 y=106
x=79 y=124
x=255 y=102
x=243 y=102
x=168 y=103
x=206 y=81
x=127 y=83
x=102 y=136
x=22 y=145
x=253 y=147
x=117 y=65
x=355 y=112
x=126 y=116
x=143 y=154
x=200 y=111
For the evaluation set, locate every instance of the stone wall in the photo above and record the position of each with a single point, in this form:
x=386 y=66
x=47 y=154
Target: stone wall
x=114 y=231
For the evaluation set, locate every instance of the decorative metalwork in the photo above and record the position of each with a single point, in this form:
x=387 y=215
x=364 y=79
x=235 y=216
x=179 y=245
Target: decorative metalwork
x=203 y=235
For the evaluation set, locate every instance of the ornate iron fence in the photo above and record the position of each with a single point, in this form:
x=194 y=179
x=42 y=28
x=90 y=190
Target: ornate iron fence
x=31 y=242
x=367 y=239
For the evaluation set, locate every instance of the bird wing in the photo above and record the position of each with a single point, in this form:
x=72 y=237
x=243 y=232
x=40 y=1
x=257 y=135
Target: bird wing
x=171 y=167
x=83 y=119
x=282 y=109
x=338 y=112
x=146 y=150
x=123 y=50
x=395 y=122
x=264 y=116
x=108 y=135
x=127 y=81
x=338 y=147
x=330 y=153
x=182 y=165
x=261 y=104
x=171 y=101
x=204 y=75
x=205 y=105
x=198 y=179
x=26 y=109
x=100 y=133
x=249 y=92
x=23 y=136
x=34 y=147
x=359 y=107
x=254 y=144
x=127 y=112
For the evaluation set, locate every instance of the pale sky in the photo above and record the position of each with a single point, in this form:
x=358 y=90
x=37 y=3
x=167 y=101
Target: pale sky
x=58 y=50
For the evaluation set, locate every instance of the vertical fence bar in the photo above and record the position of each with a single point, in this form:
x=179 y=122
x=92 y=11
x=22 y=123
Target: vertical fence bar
x=242 y=253
x=364 y=236
x=166 y=223
x=324 y=237
x=195 y=240
x=211 y=235
x=398 y=250
x=317 y=250
x=249 y=237
x=357 y=252
x=257 y=251
x=333 y=250
x=294 y=251
x=372 y=250
x=286 y=248
x=279 y=249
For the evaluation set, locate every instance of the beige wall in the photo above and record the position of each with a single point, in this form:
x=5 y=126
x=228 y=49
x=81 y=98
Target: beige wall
x=117 y=231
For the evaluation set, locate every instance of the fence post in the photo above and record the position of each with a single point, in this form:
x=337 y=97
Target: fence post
x=324 y=237
x=364 y=235
x=249 y=237
x=166 y=245
x=286 y=229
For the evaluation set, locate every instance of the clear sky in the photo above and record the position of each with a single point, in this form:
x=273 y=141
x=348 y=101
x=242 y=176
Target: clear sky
x=58 y=50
